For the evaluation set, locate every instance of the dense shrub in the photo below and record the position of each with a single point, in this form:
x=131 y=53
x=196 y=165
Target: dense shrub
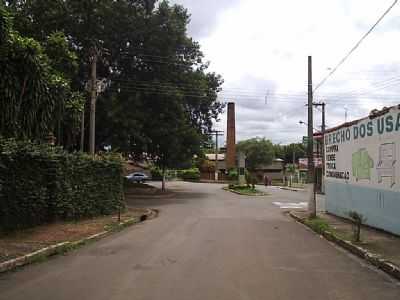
x=41 y=183
x=156 y=174
x=233 y=174
x=251 y=180
x=189 y=174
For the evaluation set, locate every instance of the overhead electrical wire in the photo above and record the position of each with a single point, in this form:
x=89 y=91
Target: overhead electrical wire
x=342 y=61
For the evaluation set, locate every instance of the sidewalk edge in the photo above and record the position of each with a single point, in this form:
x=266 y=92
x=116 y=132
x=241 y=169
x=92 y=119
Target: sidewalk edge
x=382 y=264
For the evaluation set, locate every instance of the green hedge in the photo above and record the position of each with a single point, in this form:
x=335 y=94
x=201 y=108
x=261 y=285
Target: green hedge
x=156 y=174
x=189 y=174
x=41 y=184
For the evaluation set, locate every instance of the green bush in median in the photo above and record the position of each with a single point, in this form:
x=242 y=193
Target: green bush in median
x=189 y=174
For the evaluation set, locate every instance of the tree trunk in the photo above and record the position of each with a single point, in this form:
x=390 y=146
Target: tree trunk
x=358 y=232
x=163 y=180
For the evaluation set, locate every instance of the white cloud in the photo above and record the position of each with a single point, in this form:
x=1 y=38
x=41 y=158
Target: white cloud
x=260 y=45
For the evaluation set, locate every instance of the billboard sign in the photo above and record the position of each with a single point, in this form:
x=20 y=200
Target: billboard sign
x=362 y=169
x=366 y=153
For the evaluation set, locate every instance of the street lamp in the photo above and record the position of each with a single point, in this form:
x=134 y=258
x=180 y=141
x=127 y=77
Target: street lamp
x=302 y=122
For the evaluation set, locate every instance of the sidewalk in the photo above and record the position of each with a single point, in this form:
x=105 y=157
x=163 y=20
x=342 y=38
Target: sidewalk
x=380 y=244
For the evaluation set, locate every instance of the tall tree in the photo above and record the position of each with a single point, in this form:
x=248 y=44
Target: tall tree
x=30 y=88
x=259 y=152
x=290 y=152
x=152 y=67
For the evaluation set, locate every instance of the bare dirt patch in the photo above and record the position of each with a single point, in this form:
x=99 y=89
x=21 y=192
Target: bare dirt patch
x=22 y=242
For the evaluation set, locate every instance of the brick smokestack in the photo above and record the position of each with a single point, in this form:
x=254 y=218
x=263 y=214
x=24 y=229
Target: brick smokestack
x=231 y=138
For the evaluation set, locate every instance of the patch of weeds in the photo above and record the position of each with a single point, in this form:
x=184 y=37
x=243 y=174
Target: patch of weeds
x=113 y=227
x=318 y=225
x=357 y=220
x=245 y=190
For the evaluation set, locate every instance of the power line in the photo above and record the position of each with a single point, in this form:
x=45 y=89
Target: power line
x=274 y=99
x=378 y=86
x=249 y=97
x=356 y=46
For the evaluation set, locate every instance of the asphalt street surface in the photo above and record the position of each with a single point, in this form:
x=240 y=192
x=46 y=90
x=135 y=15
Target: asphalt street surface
x=206 y=244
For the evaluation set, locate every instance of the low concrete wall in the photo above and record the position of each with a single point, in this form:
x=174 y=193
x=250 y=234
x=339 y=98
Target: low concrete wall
x=381 y=208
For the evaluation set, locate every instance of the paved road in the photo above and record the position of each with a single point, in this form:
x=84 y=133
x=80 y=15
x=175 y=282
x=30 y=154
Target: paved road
x=206 y=244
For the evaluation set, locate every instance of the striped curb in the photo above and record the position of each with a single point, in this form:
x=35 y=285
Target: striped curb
x=64 y=247
x=374 y=259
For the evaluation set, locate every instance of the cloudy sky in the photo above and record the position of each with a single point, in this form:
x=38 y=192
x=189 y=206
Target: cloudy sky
x=260 y=47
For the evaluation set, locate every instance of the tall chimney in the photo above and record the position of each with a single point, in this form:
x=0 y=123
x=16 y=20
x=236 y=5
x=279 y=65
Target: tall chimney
x=231 y=138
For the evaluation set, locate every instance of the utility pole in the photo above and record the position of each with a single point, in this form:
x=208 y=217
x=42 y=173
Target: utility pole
x=93 y=96
x=323 y=128
x=323 y=148
x=312 y=207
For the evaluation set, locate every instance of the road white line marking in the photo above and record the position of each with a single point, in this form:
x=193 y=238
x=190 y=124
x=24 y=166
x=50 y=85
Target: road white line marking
x=289 y=205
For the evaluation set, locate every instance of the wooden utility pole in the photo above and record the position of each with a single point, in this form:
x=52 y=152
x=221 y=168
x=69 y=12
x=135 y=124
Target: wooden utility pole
x=93 y=96
x=312 y=206
x=323 y=128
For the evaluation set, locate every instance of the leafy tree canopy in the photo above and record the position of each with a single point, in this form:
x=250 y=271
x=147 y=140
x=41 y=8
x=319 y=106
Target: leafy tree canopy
x=31 y=88
x=286 y=152
x=259 y=151
x=160 y=99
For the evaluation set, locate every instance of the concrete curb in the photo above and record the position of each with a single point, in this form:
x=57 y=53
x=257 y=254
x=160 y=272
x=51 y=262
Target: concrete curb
x=245 y=194
x=64 y=247
x=150 y=196
x=292 y=189
x=374 y=259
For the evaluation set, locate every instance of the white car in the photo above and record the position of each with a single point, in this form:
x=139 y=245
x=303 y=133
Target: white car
x=137 y=177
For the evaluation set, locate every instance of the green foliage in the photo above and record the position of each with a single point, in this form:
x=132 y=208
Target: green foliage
x=34 y=86
x=5 y=24
x=258 y=152
x=251 y=180
x=233 y=174
x=245 y=190
x=357 y=219
x=62 y=59
x=286 y=152
x=318 y=225
x=189 y=174
x=27 y=104
x=291 y=168
x=40 y=184
x=161 y=98
x=156 y=173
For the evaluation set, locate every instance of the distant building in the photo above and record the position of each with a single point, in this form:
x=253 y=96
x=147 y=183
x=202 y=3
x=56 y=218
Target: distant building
x=274 y=171
x=317 y=152
x=207 y=170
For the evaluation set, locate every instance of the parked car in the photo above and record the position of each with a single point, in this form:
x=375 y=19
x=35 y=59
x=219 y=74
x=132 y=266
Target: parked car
x=137 y=177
